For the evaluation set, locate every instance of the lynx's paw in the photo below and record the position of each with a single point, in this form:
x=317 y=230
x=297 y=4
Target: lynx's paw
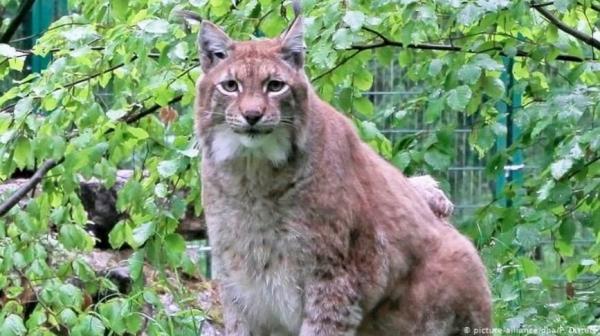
x=437 y=200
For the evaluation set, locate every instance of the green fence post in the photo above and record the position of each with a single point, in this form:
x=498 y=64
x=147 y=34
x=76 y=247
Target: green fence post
x=513 y=171
x=43 y=13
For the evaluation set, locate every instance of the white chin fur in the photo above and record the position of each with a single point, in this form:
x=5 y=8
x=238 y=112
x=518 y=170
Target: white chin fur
x=227 y=145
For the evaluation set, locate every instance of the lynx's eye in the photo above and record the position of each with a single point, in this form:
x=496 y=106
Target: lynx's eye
x=229 y=86
x=275 y=86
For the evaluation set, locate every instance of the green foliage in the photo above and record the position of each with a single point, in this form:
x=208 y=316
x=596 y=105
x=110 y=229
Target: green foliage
x=114 y=61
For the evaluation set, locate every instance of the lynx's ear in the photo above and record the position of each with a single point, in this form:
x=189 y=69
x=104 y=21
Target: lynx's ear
x=214 y=45
x=292 y=43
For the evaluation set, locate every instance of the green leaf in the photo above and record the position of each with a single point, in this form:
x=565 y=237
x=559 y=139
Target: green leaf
x=486 y=62
x=564 y=5
x=112 y=312
x=369 y=131
x=137 y=132
x=534 y=280
x=493 y=87
x=530 y=268
x=23 y=155
x=587 y=262
x=567 y=229
x=272 y=25
x=179 y=52
x=16 y=64
x=167 y=168
x=363 y=105
x=175 y=247
x=565 y=249
x=154 y=26
x=88 y=326
x=115 y=115
x=119 y=234
x=401 y=160
x=8 y=51
x=220 y=7
x=342 y=38
x=459 y=97
x=74 y=237
x=133 y=323
x=23 y=107
x=354 y=19
x=67 y=317
x=559 y=168
x=528 y=237
x=437 y=160
x=469 y=14
x=160 y=190
x=70 y=296
x=469 y=73
x=12 y=326
x=142 y=233
x=136 y=264
x=363 y=80
x=119 y=9
x=435 y=67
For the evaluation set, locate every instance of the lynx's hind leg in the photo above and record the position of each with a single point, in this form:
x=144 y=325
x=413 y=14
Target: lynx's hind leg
x=435 y=197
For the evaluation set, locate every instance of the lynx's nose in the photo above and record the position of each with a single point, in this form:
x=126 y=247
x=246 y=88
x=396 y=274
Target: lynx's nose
x=252 y=117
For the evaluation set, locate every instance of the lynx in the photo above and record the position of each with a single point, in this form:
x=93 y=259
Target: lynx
x=312 y=232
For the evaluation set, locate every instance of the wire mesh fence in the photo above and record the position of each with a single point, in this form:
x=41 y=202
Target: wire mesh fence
x=469 y=187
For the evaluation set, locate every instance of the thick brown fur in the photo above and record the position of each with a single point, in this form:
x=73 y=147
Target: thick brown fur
x=312 y=232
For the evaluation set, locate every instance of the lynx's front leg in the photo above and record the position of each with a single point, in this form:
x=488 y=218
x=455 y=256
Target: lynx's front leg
x=331 y=305
x=235 y=325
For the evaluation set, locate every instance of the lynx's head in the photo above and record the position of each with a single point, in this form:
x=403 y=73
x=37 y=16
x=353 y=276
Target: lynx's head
x=252 y=96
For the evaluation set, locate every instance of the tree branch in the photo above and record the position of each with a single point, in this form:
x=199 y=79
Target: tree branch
x=130 y=119
x=27 y=187
x=585 y=38
x=386 y=42
x=16 y=22
x=49 y=164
